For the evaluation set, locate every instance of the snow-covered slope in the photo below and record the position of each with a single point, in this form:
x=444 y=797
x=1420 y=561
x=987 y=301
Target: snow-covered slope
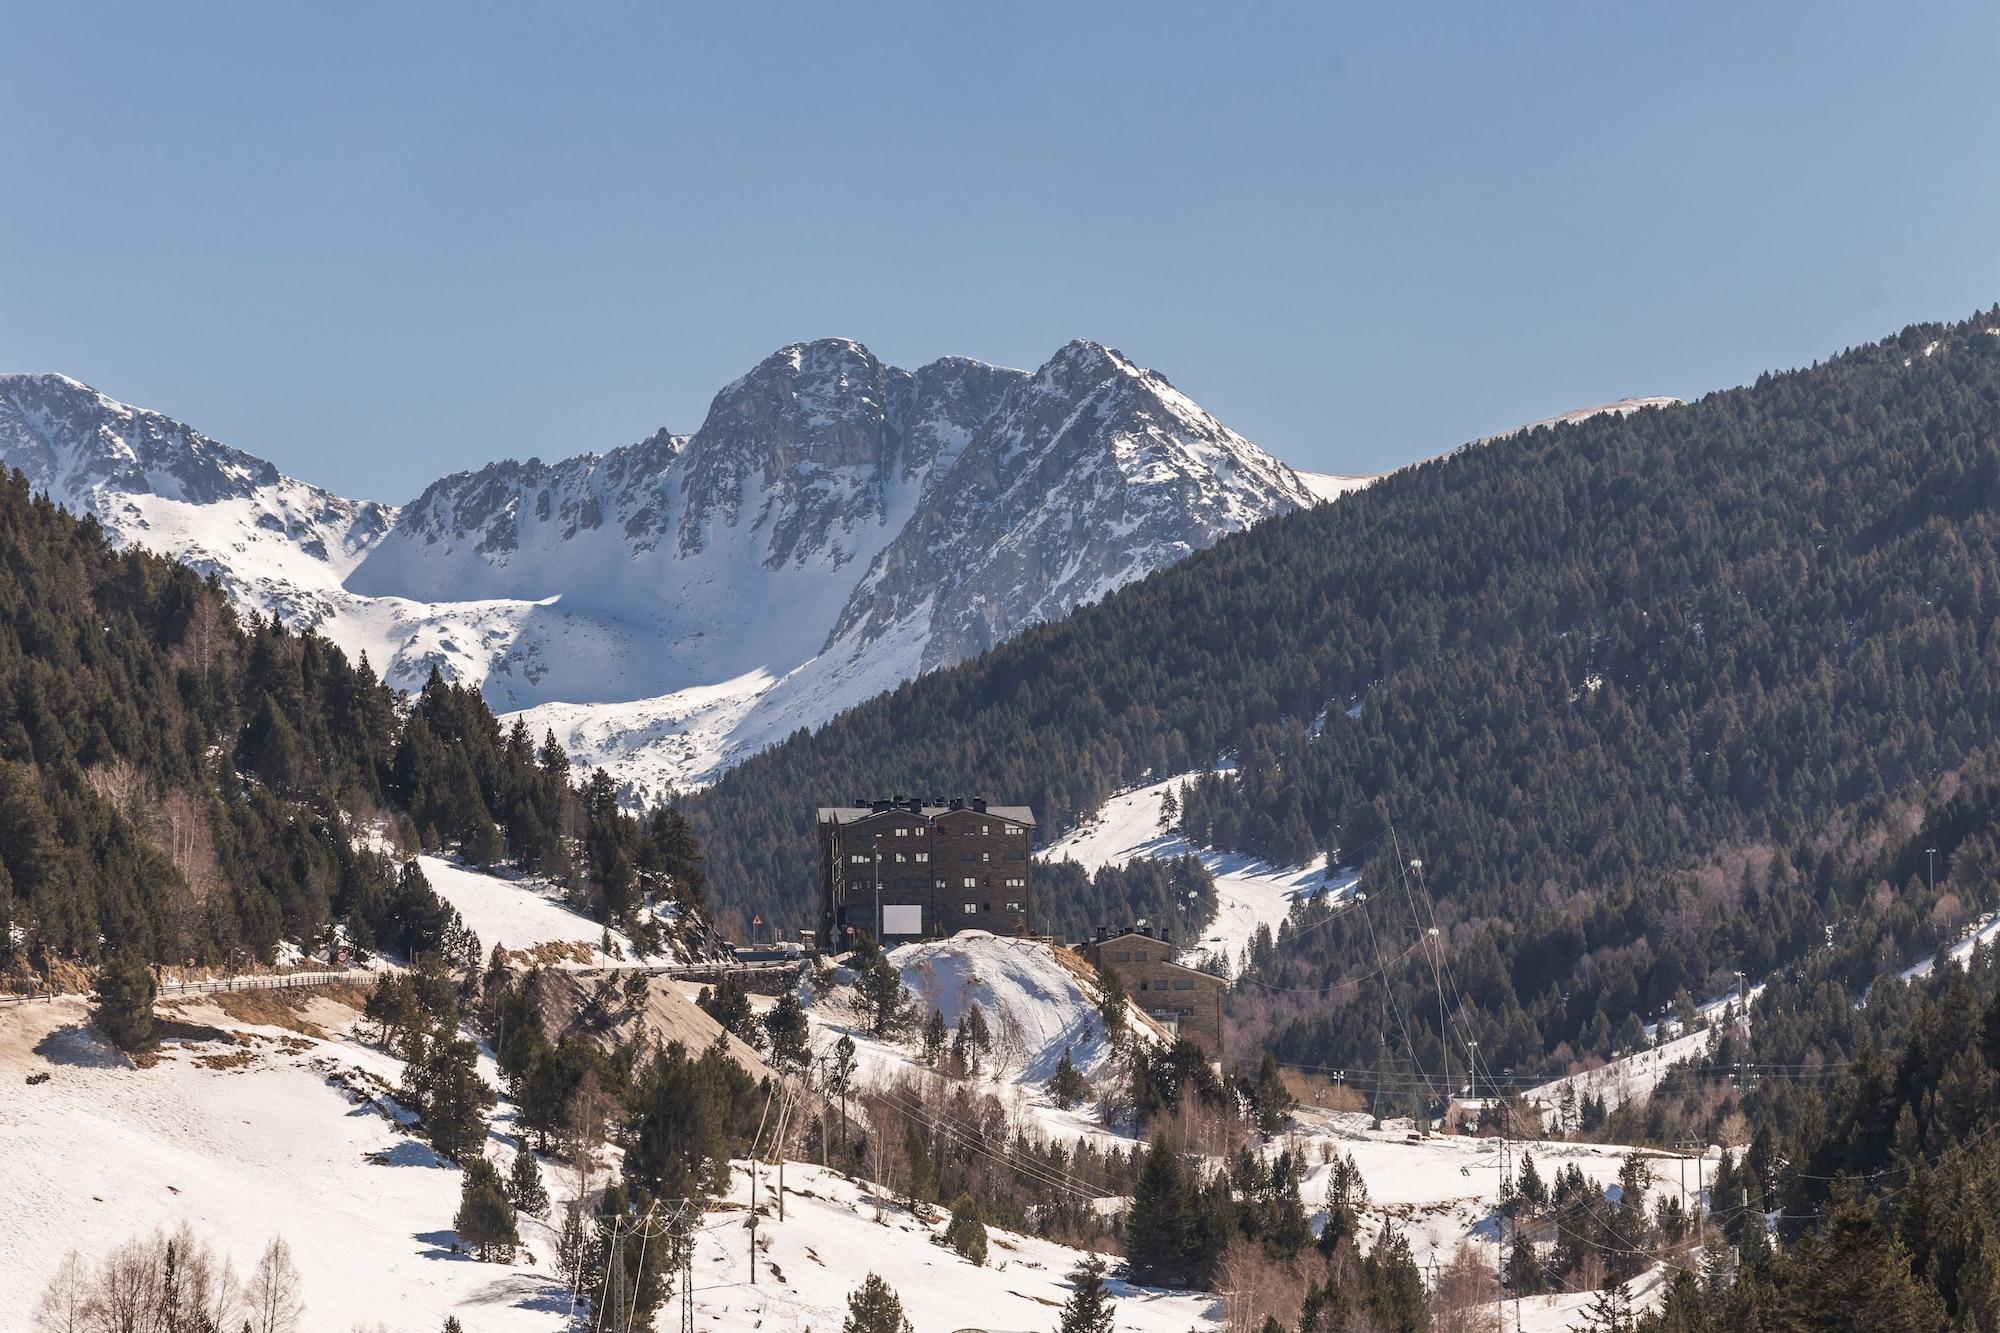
x=1622 y=407
x=835 y=527
x=835 y=1234
x=272 y=1134
x=1038 y=1002
x=1248 y=892
x=1327 y=486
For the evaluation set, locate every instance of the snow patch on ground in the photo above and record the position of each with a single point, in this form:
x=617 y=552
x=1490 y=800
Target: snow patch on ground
x=1034 y=1006
x=1982 y=934
x=1249 y=893
x=1326 y=486
x=834 y=1234
x=272 y=1146
x=522 y=913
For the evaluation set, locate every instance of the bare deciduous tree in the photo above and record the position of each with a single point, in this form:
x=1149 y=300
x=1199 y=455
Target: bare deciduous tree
x=273 y=1296
x=65 y=1305
x=128 y=1293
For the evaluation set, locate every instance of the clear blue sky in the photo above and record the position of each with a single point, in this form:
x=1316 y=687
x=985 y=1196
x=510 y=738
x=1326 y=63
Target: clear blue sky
x=376 y=243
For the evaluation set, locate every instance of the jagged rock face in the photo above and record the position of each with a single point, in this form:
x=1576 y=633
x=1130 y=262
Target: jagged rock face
x=1088 y=474
x=835 y=526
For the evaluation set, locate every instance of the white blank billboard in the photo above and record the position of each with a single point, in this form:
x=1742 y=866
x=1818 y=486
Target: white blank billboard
x=902 y=919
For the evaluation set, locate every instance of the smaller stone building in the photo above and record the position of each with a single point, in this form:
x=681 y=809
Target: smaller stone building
x=1185 y=1000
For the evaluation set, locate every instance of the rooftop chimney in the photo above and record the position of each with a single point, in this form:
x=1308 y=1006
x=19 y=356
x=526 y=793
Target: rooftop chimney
x=958 y=803
x=915 y=805
x=979 y=804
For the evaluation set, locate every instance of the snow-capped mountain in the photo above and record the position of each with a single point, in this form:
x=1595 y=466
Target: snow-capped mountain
x=149 y=479
x=835 y=526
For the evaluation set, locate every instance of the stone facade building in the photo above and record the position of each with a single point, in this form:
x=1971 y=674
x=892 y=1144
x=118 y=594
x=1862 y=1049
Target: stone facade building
x=907 y=869
x=1187 y=1001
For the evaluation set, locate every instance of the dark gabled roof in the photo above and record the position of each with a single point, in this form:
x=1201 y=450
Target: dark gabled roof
x=849 y=814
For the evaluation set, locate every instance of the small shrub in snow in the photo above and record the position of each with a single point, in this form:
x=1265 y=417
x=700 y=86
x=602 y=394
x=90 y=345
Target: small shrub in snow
x=874 y=1307
x=966 y=1232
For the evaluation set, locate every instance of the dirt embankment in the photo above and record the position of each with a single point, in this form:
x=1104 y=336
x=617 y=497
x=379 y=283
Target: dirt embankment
x=621 y=1013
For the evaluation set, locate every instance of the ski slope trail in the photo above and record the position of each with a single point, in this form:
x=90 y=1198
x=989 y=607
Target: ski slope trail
x=1249 y=893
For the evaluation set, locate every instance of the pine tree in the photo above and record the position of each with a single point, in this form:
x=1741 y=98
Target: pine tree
x=485 y=1219
x=451 y=1324
x=123 y=1008
x=1610 y=1311
x=1286 y=1228
x=452 y=1097
x=973 y=1041
x=787 y=1027
x=1346 y=1196
x=1067 y=1086
x=1160 y=1226
x=881 y=989
x=935 y=1037
x=1529 y=1182
x=1856 y=1276
x=1273 y=1099
x=524 y=1185
x=966 y=1232
x=874 y=1307
x=1088 y=1309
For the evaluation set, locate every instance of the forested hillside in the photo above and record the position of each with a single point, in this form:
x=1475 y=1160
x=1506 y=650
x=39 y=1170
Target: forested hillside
x=1637 y=692
x=174 y=784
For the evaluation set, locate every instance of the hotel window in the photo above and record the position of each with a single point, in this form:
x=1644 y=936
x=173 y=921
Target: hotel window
x=923 y=856
x=972 y=909
x=971 y=883
x=985 y=829
x=941 y=884
x=902 y=831
x=986 y=856
x=859 y=858
x=1017 y=882
x=1013 y=907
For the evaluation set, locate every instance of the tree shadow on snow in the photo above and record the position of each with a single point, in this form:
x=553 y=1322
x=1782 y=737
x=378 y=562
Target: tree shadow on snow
x=409 y=1152
x=523 y=1292
x=78 y=1045
x=443 y=1245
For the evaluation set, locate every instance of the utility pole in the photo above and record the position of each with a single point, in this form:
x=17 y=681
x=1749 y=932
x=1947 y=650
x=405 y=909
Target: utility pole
x=755 y=1143
x=1743 y=1035
x=1500 y=1241
x=687 y=1282
x=1930 y=855
x=878 y=895
x=1701 y=1200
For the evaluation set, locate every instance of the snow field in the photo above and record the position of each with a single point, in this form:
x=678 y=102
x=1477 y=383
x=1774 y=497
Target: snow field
x=834 y=1235
x=1249 y=893
x=244 y=1142
x=1034 y=1006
